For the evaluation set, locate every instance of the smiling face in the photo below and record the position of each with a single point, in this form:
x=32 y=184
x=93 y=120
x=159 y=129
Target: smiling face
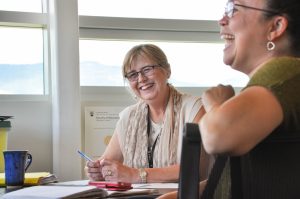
x=151 y=88
x=246 y=36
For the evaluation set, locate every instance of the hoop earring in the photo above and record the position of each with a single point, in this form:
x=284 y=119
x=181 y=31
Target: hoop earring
x=270 y=45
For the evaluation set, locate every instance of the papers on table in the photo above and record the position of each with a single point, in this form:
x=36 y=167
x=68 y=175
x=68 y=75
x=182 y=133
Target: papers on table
x=53 y=192
x=156 y=186
x=80 y=189
x=72 y=183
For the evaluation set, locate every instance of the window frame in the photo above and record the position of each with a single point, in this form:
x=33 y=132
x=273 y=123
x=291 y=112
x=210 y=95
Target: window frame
x=139 y=29
x=19 y=19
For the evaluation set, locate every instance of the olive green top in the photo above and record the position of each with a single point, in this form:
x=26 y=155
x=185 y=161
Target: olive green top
x=282 y=77
x=272 y=168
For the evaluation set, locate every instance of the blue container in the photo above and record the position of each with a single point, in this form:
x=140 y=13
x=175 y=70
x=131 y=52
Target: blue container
x=16 y=163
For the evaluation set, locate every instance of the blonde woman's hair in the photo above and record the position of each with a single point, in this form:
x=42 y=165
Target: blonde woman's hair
x=152 y=52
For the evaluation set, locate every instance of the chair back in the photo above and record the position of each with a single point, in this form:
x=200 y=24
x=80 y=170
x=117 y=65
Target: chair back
x=189 y=176
x=189 y=164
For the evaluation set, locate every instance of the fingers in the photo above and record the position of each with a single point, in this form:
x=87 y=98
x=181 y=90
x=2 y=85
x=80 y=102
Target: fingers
x=116 y=171
x=93 y=167
x=106 y=162
x=93 y=170
x=108 y=169
x=216 y=96
x=109 y=174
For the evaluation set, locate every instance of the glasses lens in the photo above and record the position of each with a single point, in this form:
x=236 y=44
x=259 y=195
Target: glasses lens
x=229 y=9
x=132 y=76
x=147 y=70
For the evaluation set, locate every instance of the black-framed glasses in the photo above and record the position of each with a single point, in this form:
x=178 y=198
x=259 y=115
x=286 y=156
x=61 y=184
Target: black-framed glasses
x=230 y=9
x=145 y=71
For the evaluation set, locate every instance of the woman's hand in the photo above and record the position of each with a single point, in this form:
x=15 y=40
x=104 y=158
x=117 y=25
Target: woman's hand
x=93 y=170
x=116 y=171
x=216 y=96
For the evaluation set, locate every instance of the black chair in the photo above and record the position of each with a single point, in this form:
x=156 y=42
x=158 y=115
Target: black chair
x=189 y=164
x=274 y=164
x=189 y=176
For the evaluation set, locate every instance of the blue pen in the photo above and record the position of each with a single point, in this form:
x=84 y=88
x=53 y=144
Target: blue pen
x=85 y=156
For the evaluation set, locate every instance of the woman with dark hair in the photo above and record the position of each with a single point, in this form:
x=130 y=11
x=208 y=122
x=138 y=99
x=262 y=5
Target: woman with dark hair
x=260 y=123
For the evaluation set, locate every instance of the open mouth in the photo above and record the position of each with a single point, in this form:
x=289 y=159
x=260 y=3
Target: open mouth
x=228 y=38
x=146 y=87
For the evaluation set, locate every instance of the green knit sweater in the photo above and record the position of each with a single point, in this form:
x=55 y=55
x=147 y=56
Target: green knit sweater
x=272 y=168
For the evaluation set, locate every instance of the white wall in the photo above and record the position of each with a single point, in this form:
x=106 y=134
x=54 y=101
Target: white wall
x=31 y=130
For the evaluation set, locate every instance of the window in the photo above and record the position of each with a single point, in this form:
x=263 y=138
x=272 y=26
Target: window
x=22 y=28
x=192 y=64
x=21 y=61
x=21 y=5
x=162 y=9
x=187 y=31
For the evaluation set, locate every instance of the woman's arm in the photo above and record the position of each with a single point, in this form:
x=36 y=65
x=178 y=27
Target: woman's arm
x=235 y=124
x=113 y=152
x=113 y=149
x=120 y=172
x=165 y=174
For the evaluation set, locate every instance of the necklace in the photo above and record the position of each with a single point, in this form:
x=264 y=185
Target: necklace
x=150 y=149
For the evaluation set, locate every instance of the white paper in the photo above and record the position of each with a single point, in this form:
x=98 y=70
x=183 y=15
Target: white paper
x=71 y=183
x=69 y=192
x=156 y=186
x=51 y=192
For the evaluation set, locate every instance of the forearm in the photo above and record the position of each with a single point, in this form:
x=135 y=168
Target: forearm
x=166 y=174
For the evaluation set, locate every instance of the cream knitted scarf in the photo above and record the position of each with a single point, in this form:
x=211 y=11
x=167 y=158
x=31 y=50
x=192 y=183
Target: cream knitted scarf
x=136 y=143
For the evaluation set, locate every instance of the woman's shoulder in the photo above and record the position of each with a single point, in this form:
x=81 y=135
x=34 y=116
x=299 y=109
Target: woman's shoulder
x=124 y=117
x=276 y=72
x=190 y=105
x=127 y=110
x=190 y=99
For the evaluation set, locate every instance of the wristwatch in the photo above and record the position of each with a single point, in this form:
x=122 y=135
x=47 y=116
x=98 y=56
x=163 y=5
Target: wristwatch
x=143 y=175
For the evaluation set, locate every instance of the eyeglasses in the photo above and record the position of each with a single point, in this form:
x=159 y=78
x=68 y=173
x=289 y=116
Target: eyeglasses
x=145 y=71
x=230 y=9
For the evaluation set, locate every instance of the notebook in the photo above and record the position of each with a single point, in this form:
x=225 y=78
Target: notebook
x=71 y=192
x=51 y=192
x=33 y=178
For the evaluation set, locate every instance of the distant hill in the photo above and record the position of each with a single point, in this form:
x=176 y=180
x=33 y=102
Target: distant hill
x=21 y=78
x=97 y=74
x=29 y=78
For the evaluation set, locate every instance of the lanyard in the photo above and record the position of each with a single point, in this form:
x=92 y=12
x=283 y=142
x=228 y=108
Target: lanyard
x=150 y=150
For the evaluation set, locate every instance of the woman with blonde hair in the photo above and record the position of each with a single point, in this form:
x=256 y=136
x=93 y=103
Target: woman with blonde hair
x=144 y=147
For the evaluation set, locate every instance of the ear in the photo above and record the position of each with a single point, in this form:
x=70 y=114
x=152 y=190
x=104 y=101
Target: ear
x=169 y=73
x=278 y=27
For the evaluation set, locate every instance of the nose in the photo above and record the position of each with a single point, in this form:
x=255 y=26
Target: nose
x=141 y=76
x=224 y=20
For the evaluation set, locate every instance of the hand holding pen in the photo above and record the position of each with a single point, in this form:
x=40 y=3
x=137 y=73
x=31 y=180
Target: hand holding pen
x=92 y=168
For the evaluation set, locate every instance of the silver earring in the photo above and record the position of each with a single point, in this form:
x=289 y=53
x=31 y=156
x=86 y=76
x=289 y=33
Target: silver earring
x=270 y=45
